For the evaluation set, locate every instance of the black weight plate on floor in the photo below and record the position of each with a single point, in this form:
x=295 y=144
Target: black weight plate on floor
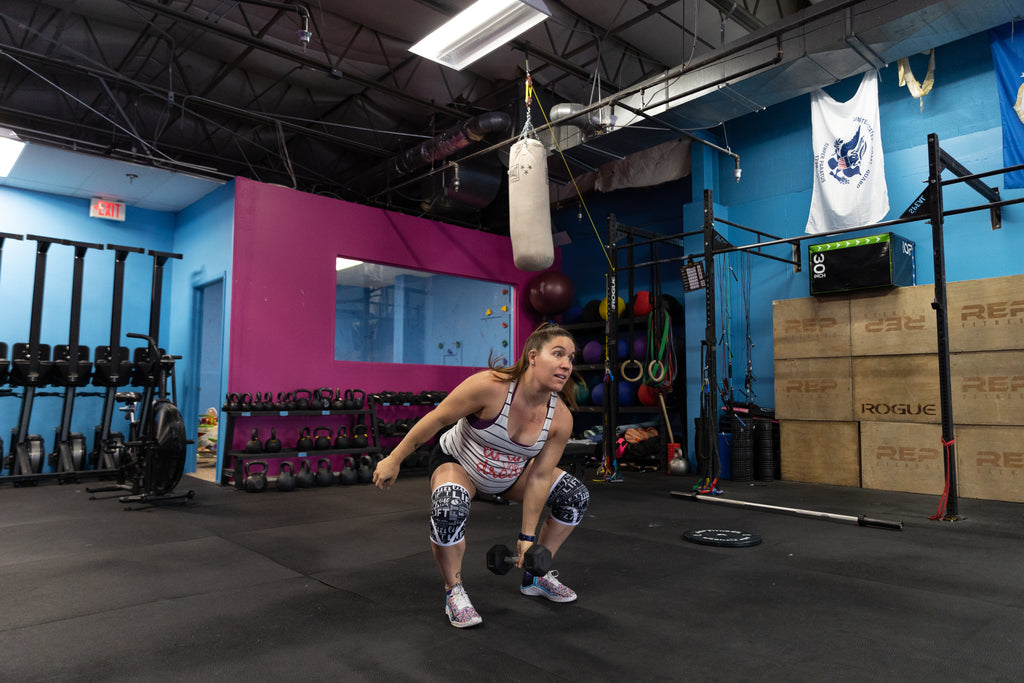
x=724 y=538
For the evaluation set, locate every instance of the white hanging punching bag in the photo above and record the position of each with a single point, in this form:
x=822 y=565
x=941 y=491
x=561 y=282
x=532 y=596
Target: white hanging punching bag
x=529 y=212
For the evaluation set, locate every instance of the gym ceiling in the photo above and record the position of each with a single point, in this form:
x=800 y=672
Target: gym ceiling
x=216 y=88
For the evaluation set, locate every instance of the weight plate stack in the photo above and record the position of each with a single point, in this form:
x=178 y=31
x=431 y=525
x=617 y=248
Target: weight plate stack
x=764 y=452
x=742 y=449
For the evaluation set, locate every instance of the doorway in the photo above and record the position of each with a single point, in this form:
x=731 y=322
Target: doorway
x=207 y=344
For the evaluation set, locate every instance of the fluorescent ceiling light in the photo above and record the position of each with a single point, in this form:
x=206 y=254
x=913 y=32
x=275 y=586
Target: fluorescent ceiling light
x=10 y=149
x=479 y=29
x=343 y=263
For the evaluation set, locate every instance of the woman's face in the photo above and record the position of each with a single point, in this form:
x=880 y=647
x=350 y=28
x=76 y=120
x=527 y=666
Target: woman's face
x=552 y=363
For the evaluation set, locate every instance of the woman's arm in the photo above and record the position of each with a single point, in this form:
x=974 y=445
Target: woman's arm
x=541 y=474
x=471 y=396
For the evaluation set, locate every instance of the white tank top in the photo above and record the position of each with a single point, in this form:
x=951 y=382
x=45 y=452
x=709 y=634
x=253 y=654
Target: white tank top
x=492 y=459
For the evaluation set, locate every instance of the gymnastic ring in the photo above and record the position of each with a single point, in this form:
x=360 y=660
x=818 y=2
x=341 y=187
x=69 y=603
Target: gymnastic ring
x=628 y=363
x=660 y=375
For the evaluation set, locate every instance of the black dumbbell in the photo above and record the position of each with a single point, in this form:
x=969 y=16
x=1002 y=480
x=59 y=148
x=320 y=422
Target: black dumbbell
x=537 y=560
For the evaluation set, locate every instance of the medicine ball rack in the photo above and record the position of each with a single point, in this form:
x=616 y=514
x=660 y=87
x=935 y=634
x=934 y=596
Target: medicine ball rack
x=233 y=471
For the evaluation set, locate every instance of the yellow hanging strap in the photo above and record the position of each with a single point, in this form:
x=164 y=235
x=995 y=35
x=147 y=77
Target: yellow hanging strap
x=917 y=90
x=579 y=194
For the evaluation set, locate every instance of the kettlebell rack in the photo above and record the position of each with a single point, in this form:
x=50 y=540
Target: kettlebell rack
x=398 y=411
x=311 y=445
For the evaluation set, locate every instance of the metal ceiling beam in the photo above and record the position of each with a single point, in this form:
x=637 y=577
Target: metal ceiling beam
x=310 y=63
x=732 y=10
x=81 y=69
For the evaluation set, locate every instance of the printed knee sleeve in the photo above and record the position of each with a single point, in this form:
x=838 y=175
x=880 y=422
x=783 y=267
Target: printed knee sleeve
x=569 y=499
x=449 y=510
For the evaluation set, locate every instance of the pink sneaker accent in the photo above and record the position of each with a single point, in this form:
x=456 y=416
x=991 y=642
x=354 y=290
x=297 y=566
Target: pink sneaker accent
x=459 y=609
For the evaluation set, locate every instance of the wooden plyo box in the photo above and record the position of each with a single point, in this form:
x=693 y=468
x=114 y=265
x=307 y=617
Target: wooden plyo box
x=987 y=387
x=990 y=463
x=811 y=327
x=820 y=452
x=813 y=389
x=986 y=315
x=897 y=321
x=896 y=389
x=901 y=456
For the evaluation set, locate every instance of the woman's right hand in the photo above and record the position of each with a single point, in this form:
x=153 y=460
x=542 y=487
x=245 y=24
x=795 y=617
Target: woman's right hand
x=386 y=472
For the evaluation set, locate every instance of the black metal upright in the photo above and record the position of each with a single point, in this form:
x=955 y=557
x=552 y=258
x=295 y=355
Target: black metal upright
x=5 y=362
x=70 y=449
x=710 y=468
x=113 y=366
x=147 y=360
x=935 y=210
x=609 y=419
x=31 y=367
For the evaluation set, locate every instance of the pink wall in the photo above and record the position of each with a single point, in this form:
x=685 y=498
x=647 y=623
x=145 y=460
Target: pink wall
x=282 y=299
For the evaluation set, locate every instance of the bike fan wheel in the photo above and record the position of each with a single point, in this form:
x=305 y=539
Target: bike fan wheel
x=168 y=453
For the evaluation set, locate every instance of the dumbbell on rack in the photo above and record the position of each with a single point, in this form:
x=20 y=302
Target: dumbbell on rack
x=537 y=560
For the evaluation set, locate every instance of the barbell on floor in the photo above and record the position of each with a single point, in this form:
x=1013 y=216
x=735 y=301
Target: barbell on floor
x=859 y=520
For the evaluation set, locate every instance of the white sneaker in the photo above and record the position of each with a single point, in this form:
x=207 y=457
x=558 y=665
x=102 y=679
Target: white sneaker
x=459 y=609
x=548 y=586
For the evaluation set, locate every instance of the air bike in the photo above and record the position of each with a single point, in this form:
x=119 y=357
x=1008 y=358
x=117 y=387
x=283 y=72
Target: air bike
x=154 y=454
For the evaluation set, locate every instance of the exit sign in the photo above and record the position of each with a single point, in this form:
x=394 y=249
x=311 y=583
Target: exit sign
x=102 y=208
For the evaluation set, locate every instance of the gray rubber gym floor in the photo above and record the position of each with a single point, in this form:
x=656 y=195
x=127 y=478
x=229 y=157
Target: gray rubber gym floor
x=339 y=584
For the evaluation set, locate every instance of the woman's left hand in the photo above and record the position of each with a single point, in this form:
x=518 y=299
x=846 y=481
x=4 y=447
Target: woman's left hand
x=521 y=548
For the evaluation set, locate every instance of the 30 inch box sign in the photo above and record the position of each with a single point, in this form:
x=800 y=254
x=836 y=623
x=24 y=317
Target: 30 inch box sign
x=885 y=260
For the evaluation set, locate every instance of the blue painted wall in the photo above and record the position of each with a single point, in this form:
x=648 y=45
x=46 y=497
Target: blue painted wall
x=203 y=235
x=62 y=217
x=775 y=194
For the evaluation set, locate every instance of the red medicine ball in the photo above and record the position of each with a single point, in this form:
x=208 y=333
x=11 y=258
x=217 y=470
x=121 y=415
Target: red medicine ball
x=642 y=304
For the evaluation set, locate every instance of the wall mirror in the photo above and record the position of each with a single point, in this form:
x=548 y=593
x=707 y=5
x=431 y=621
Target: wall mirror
x=387 y=314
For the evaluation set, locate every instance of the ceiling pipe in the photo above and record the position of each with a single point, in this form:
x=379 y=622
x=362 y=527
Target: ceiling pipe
x=450 y=141
x=815 y=13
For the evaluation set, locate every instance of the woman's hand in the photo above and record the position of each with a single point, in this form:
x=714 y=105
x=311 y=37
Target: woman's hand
x=386 y=472
x=521 y=548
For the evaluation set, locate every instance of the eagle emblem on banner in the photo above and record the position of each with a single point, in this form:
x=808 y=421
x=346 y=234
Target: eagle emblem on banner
x=846 y=157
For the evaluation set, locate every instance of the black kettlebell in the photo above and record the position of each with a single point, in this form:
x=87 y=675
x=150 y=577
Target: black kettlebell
x=303 y=397
x=347 y=476
x=305 y=477
x=305 y=442
x=282 y=403
x=341 y=439
x=349 y=400
x=233 y=402
x=364 y=474
x=273 y=444
x=254 y=445
x=286 y=479
x=357 y=399
x=255 y=482
x=268 y=401
x=338 y=403
x=323 y=441
x=360 y=436
x=245 y=403
x=324 y=476
x=323 y=397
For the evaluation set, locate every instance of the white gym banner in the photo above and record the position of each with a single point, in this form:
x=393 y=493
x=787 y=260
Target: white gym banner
x=849 y=172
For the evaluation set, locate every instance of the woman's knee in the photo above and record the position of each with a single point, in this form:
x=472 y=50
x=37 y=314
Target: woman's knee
x=449 y=511
x=568 y=499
